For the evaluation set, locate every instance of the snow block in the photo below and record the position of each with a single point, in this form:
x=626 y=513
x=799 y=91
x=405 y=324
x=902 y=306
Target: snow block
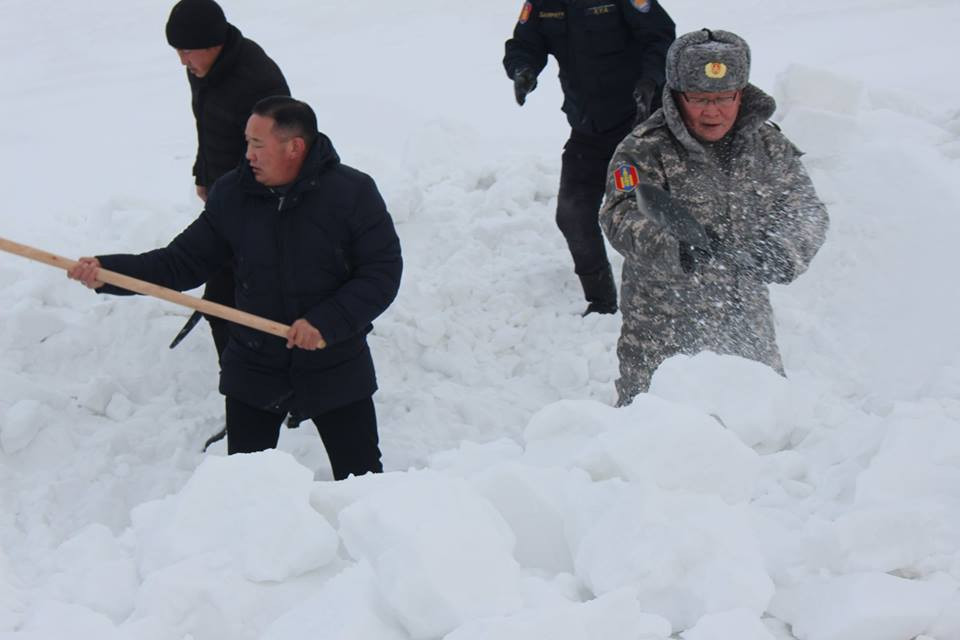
x=253 y=508
x=803 y=86
x=686 y=555
x=862 y=606
x=533 y=502
x=752 y=400
x=97 y=571
x=347 y=607
x=441 y=553
x=652 y=440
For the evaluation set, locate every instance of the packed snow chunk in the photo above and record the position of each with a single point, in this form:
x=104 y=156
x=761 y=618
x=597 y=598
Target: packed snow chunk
x=21 y=423
x=652 y=440
x=910 y=537
x=861 y=606
x=96 y=394
x=207 y=599
x=349 y=606
x=738 y=624
x=684 y=563
x=119 y=408
x=906 y=515
x=470 y=458
x=95 y=570
x=815 y=88
x=442 y=554
x=749 y=398
x=254 y=508
x=533 y=502
x=614 y=616
x=329 y=499
x=832 y=135
x=687 y=555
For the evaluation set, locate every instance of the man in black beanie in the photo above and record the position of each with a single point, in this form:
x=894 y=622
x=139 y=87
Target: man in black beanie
x=228 y=74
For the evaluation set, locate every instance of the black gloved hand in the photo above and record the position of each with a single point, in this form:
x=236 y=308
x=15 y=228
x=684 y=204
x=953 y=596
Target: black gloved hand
x=691 y=256
x=673 y=216
x=524 y=81
x=643 y=94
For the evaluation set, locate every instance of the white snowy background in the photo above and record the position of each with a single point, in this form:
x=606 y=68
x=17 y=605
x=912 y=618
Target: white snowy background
x=517 y=503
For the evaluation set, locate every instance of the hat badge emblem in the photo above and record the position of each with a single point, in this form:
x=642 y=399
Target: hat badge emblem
x=716 y=70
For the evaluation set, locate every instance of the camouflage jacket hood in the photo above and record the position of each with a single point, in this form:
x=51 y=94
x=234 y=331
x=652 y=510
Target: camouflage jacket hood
x=756 y=108
x=747 y=188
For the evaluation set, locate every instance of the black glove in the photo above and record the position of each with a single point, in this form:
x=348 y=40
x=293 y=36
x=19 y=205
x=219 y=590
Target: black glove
x=691 y=256
x=662 y=208
x=644 y=94
x=524 y=81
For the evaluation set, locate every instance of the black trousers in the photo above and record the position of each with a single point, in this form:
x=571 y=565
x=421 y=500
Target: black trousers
x=583 y=179
x=219 y=289
x=349 y=434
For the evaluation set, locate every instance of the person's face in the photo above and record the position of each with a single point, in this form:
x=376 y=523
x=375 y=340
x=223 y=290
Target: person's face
x=199 y=61
x=709 y=116
x=275 y=161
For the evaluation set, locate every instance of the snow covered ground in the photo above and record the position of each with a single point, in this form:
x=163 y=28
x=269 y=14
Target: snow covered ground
x=518 y=504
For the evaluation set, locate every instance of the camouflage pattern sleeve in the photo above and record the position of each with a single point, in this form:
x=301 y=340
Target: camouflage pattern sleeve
x=631 y=233
x=799 y=223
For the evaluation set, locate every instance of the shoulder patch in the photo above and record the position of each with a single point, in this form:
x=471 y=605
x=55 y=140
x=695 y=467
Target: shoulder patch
x=626 y=178
x=643 y=6
x=525 y=12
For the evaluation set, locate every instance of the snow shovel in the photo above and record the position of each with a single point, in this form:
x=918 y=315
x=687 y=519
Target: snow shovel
x=156 y=291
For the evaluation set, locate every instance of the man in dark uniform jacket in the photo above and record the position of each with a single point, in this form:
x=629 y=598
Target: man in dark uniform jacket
x=312 y=246
x=611 y=57
x=228 y=74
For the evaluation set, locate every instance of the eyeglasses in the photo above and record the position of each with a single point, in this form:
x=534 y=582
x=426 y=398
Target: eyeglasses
x=702 y=103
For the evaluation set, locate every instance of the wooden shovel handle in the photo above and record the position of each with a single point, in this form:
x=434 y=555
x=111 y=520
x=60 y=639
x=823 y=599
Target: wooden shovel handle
x=156 y=291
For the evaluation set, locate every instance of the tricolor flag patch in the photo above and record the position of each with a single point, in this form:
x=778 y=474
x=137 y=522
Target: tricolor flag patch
x=626 y=178
x=643 y=6
x=525 y=12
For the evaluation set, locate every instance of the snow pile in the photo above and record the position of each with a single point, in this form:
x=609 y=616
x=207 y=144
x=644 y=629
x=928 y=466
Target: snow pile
x=727 y=503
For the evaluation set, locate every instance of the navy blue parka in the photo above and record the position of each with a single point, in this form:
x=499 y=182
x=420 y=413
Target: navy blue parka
x=604 y=48
x=324 y=249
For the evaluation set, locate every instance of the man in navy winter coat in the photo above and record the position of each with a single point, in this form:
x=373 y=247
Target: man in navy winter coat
x=312 y=246
x=228 y=73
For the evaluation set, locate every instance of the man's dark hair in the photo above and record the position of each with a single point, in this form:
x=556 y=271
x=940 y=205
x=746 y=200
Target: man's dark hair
x=293 y=118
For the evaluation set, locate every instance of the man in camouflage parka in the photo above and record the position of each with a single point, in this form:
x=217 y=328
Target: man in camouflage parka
x=711 y=148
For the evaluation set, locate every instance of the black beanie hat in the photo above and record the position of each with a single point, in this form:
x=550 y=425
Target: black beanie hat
x=196 y=24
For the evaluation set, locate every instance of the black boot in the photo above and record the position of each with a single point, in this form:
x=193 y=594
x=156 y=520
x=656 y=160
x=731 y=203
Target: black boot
x=600 y=291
